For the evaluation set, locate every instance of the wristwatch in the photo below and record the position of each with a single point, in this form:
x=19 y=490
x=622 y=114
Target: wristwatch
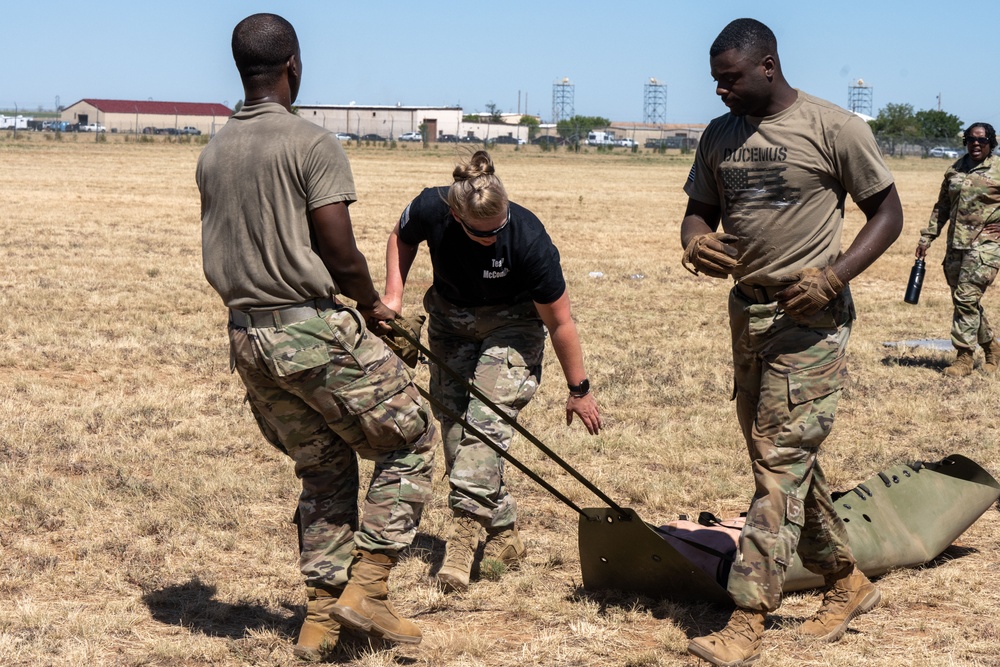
x=579 y=390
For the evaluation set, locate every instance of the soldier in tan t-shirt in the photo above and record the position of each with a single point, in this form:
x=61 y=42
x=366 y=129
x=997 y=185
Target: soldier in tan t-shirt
x=775 y=171
x=278 y=246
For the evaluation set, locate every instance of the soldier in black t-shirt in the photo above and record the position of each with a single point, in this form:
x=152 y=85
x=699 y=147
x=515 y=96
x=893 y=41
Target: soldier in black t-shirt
x=497 y=287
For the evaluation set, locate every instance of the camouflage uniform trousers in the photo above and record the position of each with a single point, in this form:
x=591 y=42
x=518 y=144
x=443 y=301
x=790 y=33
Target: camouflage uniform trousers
x=788 y=379
x=969 y=273
x=325 y=391
x=498 y=348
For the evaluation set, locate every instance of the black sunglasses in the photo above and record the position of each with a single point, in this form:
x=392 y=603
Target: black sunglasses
x=977 y=140
x=484 y=235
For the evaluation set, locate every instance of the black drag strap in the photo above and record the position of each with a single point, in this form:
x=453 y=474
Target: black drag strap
x=509 y=420
x=498 y=449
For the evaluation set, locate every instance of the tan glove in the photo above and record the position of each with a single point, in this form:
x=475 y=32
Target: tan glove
x=809 y=292
x=711 y=254
x=403 y=348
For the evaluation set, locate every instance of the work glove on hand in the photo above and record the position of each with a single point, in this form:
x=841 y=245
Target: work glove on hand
x=396 y=342
x=923 y=245
x=711 y=254
x=809 y=292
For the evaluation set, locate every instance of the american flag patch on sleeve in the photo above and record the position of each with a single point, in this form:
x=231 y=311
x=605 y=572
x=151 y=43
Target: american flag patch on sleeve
x=691 y=174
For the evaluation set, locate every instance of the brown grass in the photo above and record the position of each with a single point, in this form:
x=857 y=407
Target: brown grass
x=144 y=520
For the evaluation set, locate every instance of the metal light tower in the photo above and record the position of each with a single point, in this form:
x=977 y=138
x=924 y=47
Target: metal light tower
x=654 y=102
x=562 y=100
x=859 y=98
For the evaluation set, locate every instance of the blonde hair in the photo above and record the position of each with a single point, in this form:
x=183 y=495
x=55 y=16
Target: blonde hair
x=477 y=192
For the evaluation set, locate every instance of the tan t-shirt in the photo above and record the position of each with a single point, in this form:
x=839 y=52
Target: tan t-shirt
x=781 y=183
x=259 y=177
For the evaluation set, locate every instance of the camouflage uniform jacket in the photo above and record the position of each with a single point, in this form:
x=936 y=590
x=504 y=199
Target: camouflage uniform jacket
x=969 y=198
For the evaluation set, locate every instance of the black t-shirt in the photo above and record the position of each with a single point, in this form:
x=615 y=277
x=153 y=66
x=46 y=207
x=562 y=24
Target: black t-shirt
x=523 y=264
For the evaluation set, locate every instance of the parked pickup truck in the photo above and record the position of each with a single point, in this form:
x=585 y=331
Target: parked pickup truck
x=92 y=127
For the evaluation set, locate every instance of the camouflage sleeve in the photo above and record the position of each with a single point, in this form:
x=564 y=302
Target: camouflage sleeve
x=940 y=214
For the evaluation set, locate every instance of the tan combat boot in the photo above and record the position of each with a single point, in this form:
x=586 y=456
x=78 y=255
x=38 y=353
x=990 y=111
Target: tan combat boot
x=962 y=365
x=504 y=550
x=459 y=553
x=364 y=606
x=848 y=595
x=992 y=357
x=319 y=633
x=734 y=645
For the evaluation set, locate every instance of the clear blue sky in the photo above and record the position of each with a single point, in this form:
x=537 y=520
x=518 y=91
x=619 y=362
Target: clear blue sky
x=439 y=52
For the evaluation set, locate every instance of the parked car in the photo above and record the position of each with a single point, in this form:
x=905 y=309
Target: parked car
x=506 y=139
x=548 y=140
x=193 y=131
x=347 y=136
x=627 y=143
x=372 y=137
x=448 y=139
x=92 y=127
x=943 y=151
x=411 y=136
x=471 y=139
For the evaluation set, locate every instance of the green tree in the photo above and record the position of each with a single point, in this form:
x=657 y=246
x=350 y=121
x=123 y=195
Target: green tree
x=896 y=120
x=239 y=105
x=471 y=118
x=936 y=124
x=532 y=124
x=577 y=127
x=496 y=116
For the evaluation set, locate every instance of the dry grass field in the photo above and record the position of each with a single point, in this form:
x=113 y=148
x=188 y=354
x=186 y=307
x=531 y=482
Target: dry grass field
x=144 y=520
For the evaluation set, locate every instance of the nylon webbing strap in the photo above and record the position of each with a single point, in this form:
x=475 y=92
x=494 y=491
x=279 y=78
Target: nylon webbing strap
x=498 y=449
x=512 y=422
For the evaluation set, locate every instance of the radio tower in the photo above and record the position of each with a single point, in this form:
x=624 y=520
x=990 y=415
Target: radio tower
x=562 y=100
x=654 y=102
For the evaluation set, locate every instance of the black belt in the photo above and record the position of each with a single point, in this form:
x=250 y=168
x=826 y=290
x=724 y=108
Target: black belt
x=279 y=317
x=758 y=293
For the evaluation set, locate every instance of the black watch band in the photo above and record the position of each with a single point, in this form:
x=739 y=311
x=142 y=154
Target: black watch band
x=579 y=390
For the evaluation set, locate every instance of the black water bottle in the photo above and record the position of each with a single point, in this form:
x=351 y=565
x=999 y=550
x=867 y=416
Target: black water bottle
x=916 y=282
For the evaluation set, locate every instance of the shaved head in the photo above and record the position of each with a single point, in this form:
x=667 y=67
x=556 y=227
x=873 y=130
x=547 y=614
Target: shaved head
x=749 y=37
x=262 y=44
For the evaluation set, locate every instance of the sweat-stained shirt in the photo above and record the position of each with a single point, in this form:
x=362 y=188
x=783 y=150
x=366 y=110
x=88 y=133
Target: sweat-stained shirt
x=259 y=178
x=781 y=182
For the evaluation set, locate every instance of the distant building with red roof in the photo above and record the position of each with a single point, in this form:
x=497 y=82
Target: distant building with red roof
x=135 y=116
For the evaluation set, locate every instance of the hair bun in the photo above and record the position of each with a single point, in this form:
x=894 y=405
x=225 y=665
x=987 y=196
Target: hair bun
x=478 y=165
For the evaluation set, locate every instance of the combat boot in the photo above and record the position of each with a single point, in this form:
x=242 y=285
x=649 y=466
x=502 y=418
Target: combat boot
x=319 y=633
x=504 y=550
x=992 y=357
x=962 y=365
x=459 y=553
x=364 y=605
x=848 y=595
x=734 y=645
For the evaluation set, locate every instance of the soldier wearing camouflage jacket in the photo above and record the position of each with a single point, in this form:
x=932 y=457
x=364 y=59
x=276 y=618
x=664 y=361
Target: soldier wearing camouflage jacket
x=969 y=206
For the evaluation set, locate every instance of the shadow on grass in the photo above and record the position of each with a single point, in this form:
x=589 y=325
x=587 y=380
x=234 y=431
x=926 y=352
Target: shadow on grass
x=429 y=549
x=701 y=618
x=934 y=362
x=193 y=605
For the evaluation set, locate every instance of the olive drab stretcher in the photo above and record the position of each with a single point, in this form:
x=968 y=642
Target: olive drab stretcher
x=904 y=516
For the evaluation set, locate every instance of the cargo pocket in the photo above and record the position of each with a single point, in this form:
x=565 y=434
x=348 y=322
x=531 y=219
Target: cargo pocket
x=989 y=255
x=809 y=384
x=386 y=406
x=299 y=347
x=516 y=374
